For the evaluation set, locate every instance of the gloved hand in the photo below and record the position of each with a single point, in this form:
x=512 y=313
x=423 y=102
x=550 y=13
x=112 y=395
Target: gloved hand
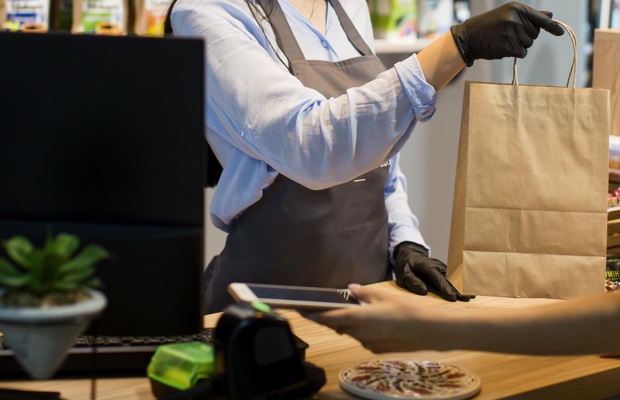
x=415 y=270
x=506 y=31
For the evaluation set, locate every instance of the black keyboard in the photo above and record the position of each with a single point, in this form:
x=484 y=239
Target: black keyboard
x=114 y=355
x=205 y=336
x=108 y=354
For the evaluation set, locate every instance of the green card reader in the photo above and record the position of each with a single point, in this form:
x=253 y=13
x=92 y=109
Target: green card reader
x=254 y=355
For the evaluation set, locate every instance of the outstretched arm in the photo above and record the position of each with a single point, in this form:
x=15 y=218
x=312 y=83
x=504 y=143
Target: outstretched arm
x=506 y=31
x=440 y=61
x=394 y=322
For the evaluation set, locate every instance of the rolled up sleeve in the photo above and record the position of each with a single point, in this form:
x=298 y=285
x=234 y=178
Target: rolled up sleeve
x=423 y=97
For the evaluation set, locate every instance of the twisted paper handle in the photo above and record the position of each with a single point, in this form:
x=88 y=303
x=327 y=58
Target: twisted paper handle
x=573 y=67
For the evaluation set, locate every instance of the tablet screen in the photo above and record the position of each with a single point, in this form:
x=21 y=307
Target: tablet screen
x=304 y=294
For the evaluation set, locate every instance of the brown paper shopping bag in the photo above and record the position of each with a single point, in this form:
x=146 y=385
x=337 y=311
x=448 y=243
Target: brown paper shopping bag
x=605 y=67
x=530 y=204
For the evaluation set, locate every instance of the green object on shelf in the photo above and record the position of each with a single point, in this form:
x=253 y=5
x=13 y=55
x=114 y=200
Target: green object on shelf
x=181 y=365
x=394 y=19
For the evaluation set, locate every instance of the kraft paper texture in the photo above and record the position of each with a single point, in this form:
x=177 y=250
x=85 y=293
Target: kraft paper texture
x=606 y=70
x=529 y=217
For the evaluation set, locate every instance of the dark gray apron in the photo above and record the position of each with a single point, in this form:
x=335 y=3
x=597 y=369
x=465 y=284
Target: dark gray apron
x=297 y=236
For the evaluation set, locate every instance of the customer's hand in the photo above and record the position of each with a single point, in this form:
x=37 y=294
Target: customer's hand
x=390 y=321
x=415 y=271
x=506 y=31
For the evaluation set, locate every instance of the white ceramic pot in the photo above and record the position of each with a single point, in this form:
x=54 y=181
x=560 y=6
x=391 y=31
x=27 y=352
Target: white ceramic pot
x=41 y=337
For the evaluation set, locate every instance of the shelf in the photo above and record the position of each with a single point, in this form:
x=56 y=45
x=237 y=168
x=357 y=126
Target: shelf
x=405 y=45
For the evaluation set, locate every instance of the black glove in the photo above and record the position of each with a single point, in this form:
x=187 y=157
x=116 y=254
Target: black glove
x=505 y=31
x=413 y=267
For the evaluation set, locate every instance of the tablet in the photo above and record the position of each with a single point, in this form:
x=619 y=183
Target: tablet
x=295 y=297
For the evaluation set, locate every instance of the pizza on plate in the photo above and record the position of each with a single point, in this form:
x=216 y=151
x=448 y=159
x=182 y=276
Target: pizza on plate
x=408 y=379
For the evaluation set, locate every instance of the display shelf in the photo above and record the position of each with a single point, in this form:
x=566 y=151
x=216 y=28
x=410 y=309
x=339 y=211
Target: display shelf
x=397 y=46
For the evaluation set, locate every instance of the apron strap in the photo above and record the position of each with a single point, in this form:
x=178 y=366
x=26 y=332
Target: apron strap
x=289 y=45
x=287 y=41
x=354 y=37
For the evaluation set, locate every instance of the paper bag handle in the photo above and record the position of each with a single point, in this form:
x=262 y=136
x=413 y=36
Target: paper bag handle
x=573 y=67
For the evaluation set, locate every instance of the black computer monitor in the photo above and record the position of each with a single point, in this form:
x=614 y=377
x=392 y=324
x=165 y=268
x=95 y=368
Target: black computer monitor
x=103 y=137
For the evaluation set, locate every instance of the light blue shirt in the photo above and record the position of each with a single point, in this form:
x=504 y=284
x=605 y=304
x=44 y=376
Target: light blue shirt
x=261 y=121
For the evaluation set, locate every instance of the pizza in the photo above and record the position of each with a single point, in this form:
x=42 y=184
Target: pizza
x=408 y=379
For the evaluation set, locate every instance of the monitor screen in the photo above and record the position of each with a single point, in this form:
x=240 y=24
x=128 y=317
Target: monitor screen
x=103 y=137
x=100 y=129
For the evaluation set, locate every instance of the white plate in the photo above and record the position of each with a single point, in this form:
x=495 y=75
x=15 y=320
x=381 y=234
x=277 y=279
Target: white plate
x=408 y=379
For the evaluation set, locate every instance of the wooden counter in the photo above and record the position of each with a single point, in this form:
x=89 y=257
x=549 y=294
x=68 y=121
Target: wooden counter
x=502 y=376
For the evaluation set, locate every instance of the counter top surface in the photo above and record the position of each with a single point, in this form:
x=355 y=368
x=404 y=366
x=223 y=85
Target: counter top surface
x=502 y=375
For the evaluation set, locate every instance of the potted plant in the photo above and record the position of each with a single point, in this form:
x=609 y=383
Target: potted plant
x=47 y=298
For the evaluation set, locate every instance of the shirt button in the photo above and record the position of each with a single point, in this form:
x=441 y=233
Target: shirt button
x=324 y=43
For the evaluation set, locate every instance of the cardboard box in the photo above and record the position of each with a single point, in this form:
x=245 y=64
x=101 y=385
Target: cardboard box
x=606 y=70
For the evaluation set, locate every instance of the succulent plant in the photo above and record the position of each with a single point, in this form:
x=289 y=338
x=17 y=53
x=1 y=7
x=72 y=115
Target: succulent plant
x=49 y=275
